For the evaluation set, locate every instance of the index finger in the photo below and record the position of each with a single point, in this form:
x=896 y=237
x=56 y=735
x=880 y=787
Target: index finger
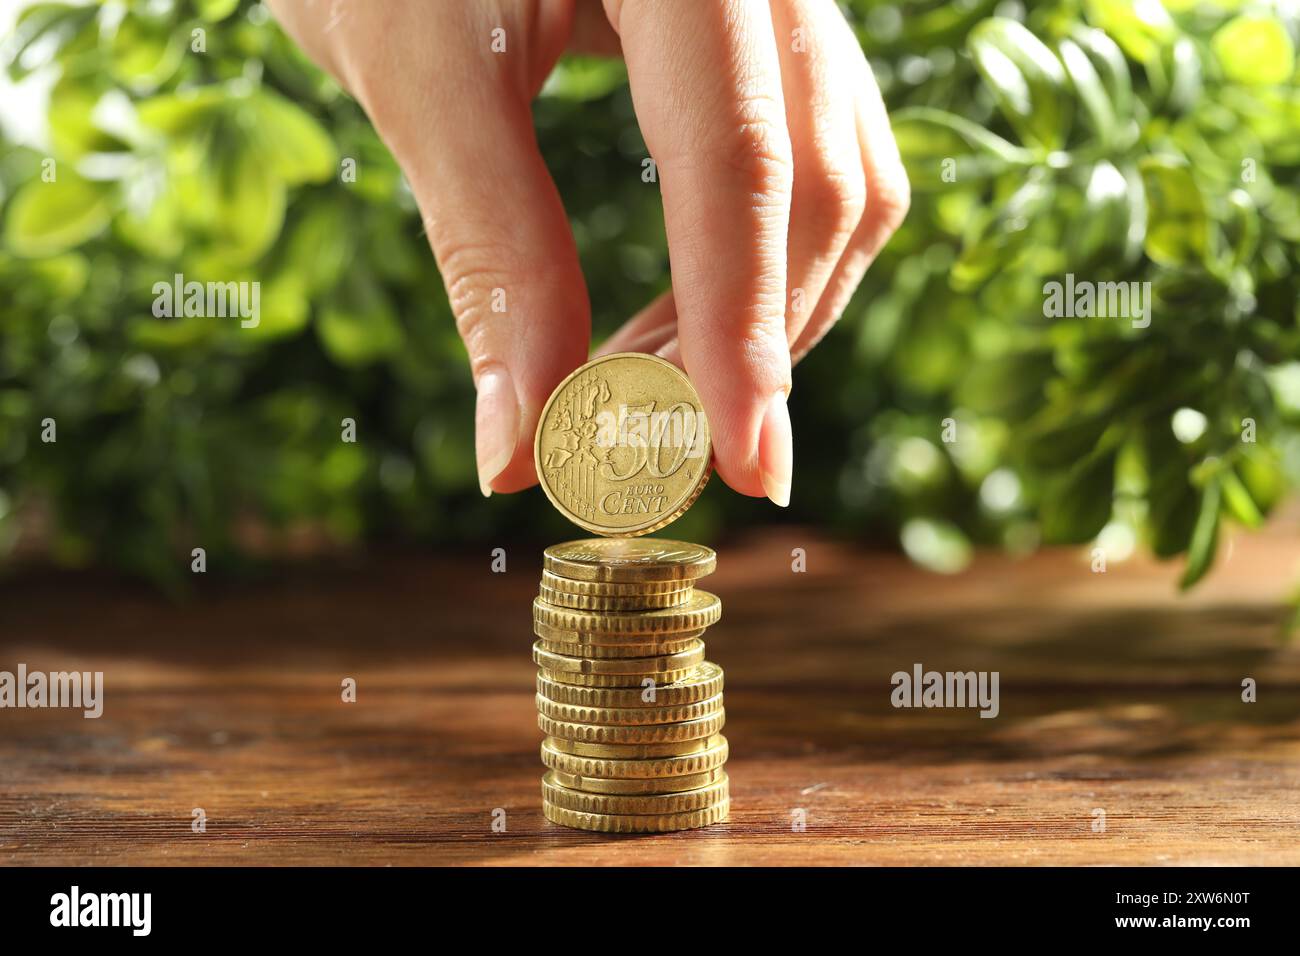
x=706 y=86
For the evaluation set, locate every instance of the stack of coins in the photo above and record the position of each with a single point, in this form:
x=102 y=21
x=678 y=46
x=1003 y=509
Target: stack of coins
x=631 y=710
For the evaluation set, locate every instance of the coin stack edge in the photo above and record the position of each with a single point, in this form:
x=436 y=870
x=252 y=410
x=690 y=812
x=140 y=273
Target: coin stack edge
x=633 y=741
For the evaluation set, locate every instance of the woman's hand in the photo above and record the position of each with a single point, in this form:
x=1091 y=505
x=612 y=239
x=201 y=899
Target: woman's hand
x=780 y=179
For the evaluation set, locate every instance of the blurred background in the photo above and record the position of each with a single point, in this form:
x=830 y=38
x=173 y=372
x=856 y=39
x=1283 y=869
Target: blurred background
x=1150 y=142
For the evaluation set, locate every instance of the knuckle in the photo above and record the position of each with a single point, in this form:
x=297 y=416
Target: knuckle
x=757 y=152
x=473 y=273
x=759 y=330
x=891 y=199
x=833 y=200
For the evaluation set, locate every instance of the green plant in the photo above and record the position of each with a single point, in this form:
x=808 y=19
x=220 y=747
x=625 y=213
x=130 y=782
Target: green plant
x=1103 y=140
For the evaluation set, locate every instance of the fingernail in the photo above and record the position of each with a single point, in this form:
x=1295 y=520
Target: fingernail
x=496 y=426
x=776 y=451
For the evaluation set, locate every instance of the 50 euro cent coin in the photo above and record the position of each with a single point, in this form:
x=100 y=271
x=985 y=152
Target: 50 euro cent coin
x=637 y=823
x=629 y=562
x=635 y=785
x=702 y=610
x=674 y=748
x=601 y=651
x=663 y=714
x=638 y=734
x=703 y=683
x=624 y=767
x=682 y=801
x=615 y=602
x=623 y=445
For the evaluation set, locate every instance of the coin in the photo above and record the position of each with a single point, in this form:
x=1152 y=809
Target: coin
x=636 y=768
x=615 y=681
x=581 y=641
x=636 y=823
x=672 y=713
x=704 y=682
x=689 y=781
x=674 y=748
x=638 y=734
x=631 y=560
x=615 y=602
x=631 y=666
x=682 y=801
x=623 y=445
x=615 y=588
x=702 y=610
x=599 y=651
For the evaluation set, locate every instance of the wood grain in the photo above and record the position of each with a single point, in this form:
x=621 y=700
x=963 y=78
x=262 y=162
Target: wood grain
x=1115 y=694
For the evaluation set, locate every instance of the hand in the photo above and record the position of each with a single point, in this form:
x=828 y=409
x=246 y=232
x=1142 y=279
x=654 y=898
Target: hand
x=780 y=179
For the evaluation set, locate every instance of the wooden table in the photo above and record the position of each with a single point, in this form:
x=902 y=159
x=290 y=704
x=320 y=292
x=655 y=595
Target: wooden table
x=1115 y=695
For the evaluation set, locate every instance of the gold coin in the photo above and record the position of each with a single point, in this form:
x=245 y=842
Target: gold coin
x=702 y=610
x=637 y=823
x=637 y=734
x=623 y=445
x=674 y=748
x=630 y=666
x=689 y=781
x=634 y=560
x=642 y=768
x=614 y=602
x=616 y=681
x=670 y=714
x=705 y=682
x=615 y=589
x=683 y=801
x=599 y=651
x=581 y=640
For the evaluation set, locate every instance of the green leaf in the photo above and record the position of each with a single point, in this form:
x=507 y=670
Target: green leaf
x=1008 y=385
x=988 y=249
x=1102 y=223
x=214 y=11
x=1254 y=50
x=293 y=144
x=360 y=329
x=45 y=219
x=73 y=130
x=46 y=22
x=1178 y=225
x=251 y=202
x=1171 y=497
x=581 y=79
x=1092 y=94
x=1237 y=499
x=1185 y=86
x=940 y=148
x=183 y=113
x=1205 y=535
x=1141 y=29
x=1026 y=79
x=1079 y=505
x=284 y=307
x=320 y=245
x=143 y=54
x=1108 y=61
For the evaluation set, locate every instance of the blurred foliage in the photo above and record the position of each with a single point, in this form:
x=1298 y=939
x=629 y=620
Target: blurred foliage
x=1111 y=140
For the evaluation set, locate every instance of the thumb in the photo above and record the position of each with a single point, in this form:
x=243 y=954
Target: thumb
x=508 y=259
